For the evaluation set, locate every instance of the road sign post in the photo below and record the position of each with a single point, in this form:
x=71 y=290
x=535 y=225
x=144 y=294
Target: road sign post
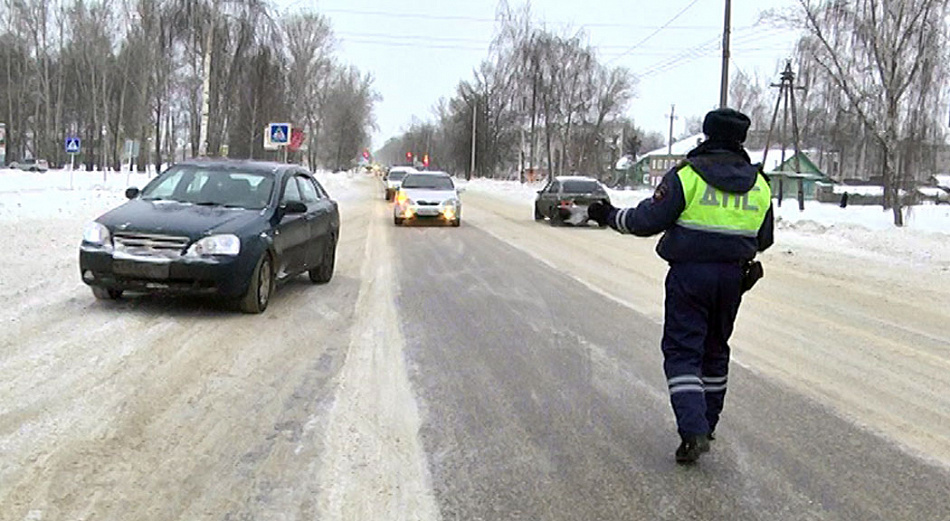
x=277 y=137
x=72 y=145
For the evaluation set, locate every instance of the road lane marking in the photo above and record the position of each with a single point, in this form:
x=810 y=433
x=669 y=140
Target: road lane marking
x=375 y=466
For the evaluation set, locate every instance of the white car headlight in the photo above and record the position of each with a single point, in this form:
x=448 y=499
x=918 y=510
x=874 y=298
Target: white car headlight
x=451 y=202
x=97 y=234
x=215 y=245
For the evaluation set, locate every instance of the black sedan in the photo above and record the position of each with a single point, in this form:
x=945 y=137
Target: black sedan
x=219 y=227
x=564 y=200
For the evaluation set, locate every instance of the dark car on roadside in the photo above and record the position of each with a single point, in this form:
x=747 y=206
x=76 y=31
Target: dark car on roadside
x=565 y=199
x=231 y=229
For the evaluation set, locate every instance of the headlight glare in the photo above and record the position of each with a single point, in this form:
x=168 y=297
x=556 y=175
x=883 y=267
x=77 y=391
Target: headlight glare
x=215 y=245
x=95 y=233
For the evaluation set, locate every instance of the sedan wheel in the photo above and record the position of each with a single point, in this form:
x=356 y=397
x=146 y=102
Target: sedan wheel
x=106 y=293
x=324 y=272
x=538 y=216
x=260 y=288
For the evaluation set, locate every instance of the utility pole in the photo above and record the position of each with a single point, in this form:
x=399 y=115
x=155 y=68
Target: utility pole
x=669 y=149
x=786 y=96
x=724 y=86
x=474 y=119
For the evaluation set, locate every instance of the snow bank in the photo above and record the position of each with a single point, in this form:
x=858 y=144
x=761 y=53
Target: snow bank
x=19 y=181
x=863 y=231
x=61 y=194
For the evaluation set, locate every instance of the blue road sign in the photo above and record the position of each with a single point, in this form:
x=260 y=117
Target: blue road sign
x=279 y=133
x=73 y=145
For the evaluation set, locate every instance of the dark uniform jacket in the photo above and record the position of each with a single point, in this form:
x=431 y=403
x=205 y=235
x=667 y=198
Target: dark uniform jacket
x=727 y=170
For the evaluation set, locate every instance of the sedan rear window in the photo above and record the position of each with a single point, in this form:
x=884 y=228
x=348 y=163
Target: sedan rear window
x=428 y=182
x=397 y=176
x=212 y=187
x=582 y=187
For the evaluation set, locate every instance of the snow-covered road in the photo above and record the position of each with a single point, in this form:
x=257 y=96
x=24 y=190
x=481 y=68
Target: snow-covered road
x=502 y=370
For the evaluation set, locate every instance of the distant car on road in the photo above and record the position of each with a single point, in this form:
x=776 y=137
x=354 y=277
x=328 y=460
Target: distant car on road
x=216 y=227
x=566 y=196
x=31 y=165
x=428 y=195
x=394 y=178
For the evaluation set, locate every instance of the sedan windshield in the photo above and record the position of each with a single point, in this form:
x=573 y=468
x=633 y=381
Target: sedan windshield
x=397 y=176
x=212 y=187
x=582 y=187
x=428 y=182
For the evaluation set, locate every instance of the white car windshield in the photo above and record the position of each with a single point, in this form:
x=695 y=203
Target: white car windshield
x=428 y=182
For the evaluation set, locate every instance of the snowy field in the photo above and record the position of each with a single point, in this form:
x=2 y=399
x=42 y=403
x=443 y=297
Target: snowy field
x=861 y=231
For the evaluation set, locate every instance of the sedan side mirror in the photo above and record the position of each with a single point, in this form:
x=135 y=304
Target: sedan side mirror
x=132 y=193
x=294 y=207
x=460 y=189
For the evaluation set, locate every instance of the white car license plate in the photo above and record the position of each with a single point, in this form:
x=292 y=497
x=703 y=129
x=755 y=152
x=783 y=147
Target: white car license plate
x=428 y=211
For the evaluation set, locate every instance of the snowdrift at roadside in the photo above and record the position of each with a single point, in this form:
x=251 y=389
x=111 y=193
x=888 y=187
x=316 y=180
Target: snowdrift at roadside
x=864 y=231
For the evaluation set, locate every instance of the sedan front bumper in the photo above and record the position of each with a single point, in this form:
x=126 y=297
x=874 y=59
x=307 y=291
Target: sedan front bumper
x=224 y=276
x=419 y=211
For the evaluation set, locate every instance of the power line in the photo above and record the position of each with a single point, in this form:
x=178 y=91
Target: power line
x=657 y=31
x=704 y=50
x=475 y=19
x=425 y=42
x=420 y=45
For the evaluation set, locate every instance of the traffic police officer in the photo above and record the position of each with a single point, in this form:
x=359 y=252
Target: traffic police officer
x=716 y=211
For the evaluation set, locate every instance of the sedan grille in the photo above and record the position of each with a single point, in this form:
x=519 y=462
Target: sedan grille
x=149 y=245
x=428 y=203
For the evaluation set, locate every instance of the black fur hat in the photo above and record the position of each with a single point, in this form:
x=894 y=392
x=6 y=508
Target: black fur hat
x=727 y=125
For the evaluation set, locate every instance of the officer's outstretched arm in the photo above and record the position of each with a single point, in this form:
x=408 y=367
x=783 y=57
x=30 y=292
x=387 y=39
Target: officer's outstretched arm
x=766 y=236
x=654 y=215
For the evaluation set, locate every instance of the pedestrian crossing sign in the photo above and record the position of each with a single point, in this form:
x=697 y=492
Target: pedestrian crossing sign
x=279 y=133
x=73 y=145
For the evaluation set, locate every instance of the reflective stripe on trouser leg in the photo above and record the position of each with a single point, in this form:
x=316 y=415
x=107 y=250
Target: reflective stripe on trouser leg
x=684 y=332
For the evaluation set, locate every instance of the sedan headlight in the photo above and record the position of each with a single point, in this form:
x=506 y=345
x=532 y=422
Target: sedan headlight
x=451 y=202
x=215 y=245
x=97 y=234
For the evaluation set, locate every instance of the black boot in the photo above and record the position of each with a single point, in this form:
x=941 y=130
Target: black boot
x=691 y=448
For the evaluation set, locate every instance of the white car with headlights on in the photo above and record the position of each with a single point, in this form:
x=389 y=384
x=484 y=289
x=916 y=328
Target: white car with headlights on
x=428 y=196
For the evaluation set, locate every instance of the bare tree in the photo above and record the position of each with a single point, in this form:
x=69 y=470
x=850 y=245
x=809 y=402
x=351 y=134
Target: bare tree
x=883 y=56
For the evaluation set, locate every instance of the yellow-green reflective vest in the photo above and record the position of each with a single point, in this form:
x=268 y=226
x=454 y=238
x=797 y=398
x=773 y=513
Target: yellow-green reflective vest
x=712 y=210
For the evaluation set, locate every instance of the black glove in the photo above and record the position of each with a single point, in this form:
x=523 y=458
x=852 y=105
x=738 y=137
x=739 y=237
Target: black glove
x=752 y=271
x=599 y=212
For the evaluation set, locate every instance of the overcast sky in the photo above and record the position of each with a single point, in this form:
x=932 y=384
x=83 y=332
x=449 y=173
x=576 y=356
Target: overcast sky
x=418 y=50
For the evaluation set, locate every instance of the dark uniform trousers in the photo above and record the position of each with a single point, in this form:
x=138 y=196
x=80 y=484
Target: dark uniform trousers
x=702 y=301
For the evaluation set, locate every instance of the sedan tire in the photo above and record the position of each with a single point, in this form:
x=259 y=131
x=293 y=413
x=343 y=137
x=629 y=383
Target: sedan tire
x=397 y=221
x=260 y=288
x=456 y=223
x=538 y=216
x=324 y=272
x=106 y=293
